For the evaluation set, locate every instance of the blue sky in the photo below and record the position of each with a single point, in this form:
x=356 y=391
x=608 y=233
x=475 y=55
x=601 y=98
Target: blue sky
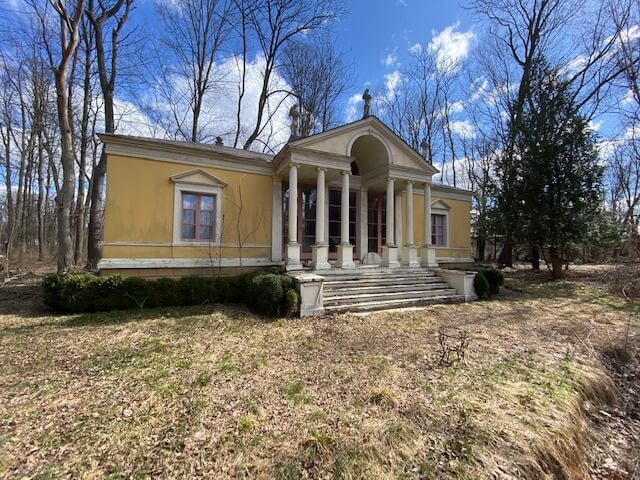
x=372 y=30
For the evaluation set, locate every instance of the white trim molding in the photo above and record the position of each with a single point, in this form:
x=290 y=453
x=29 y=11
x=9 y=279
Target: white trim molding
x=177 y=212
x=137 y=263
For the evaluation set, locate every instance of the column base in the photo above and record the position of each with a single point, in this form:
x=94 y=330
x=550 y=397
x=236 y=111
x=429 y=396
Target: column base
x=320 y=257
x=345 y=256
x=410 y=256
x=390 y=257
x=428 y=257
x=293 y=257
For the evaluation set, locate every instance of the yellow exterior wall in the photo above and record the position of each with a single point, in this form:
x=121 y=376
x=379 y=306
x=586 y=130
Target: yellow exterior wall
x=459 y=225
x=139 y=211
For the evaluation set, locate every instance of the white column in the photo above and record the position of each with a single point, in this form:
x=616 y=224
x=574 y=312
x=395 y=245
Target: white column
x=320 y=207
x=409 y=195
x=320 y=251
x=344 y=209
x=390 y=212
x=293 y=203
x=345 y=249
x=411 y=252
x=390 y=251
x=428 y=253
x=276 y=220
x=293 y=247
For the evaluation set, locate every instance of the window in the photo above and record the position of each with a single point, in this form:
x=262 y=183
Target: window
x=439 y=230
x=198 y=216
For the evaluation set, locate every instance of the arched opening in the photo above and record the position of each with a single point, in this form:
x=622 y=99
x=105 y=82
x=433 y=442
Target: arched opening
x=369 y=153
x=355 y=170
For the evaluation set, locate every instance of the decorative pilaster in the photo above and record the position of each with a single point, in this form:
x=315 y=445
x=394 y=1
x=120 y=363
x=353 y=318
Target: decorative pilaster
x=293 y=247
x=411 y=252
x=390 y=251
x=320 y=251
x=345 y=249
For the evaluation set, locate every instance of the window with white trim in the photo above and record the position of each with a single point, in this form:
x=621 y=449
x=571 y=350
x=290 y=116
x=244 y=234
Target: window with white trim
x=439 y=230
x=198 y=217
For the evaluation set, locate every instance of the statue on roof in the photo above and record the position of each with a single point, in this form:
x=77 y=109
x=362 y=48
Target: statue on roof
x=294 y=114
x=367 y=103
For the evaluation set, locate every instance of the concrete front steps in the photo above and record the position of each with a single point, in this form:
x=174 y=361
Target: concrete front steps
x=367 y=289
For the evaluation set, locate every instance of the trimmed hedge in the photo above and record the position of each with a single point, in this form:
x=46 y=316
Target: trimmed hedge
x=481 y=285
x=495 y=278
x=268 y=293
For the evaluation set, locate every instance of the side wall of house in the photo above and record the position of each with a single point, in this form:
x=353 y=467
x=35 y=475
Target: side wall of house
x=139 y=218
x=458 y=210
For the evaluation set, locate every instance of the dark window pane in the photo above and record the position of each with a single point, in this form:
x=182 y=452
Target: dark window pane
x=206 y=218
x=189 y=217
x=188 y=232
x=206 y=232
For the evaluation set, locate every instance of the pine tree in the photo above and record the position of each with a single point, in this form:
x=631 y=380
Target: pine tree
x=557 y=177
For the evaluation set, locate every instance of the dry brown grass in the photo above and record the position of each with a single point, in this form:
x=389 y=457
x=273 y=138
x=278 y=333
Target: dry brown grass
x=217 y=392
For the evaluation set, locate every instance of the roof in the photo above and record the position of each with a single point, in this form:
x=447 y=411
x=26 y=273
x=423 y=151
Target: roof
x=202 y=148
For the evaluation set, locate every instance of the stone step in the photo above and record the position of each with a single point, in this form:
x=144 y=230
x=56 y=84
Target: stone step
x=376 y=288
x=382 y=278
x=374 y=272
x=398 y=303
x=370 y=297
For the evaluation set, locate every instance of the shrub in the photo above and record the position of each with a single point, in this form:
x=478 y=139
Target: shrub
x=481 y=285
x=291 y=302
x=266 y=294
x=495 y=278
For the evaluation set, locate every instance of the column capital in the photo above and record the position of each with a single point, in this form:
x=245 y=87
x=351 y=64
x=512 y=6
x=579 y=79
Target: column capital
x=390 y=179
x=346 y=172
x=411 y=182
x=292 y=165
x=321 y=169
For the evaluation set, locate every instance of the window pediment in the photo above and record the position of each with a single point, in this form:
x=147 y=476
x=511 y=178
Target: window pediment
x=198 y=177
x=440 y=205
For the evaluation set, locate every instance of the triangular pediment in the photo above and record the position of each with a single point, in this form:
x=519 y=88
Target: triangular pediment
x=198 y=177
x=340 y=140
x=440 y=205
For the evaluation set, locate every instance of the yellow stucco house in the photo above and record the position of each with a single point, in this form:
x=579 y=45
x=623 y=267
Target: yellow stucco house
x=180 y=208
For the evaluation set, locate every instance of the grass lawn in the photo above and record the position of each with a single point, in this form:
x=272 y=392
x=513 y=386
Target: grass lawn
x=218 y=392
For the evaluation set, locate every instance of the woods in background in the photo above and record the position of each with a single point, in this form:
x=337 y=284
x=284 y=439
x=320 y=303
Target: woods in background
x=70 y=70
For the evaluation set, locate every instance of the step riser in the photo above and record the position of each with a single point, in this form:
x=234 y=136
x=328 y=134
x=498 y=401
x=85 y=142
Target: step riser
x=364 y=307
x=365 y=290
x=384 y=297
x=381 y=281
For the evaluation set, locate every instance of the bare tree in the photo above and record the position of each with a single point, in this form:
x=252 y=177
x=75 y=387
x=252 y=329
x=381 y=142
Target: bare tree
x=275 y=23
x=319 y=78
x=194 y=32
x=118 y=10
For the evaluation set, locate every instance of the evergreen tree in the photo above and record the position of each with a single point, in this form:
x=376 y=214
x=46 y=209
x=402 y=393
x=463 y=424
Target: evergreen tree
x=557 y=180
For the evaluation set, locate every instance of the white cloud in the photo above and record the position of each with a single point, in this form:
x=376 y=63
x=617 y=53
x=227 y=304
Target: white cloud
x=218 y=110
x=390 y=59
x=391 y=81
x=415 y=49
x=450 y=47
x=463 y=128
x=354 y=109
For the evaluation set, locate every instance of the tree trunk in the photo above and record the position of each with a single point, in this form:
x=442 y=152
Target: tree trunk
x=535 y=259
x=556 y=263
x=94 y=252
x=481 y=248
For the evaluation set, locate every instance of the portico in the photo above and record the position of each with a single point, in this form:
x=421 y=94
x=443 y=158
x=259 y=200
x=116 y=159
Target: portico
x=341 y=190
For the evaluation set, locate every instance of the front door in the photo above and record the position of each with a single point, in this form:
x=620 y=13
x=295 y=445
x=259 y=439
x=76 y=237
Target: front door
x=335 y=209
x=376 y=222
